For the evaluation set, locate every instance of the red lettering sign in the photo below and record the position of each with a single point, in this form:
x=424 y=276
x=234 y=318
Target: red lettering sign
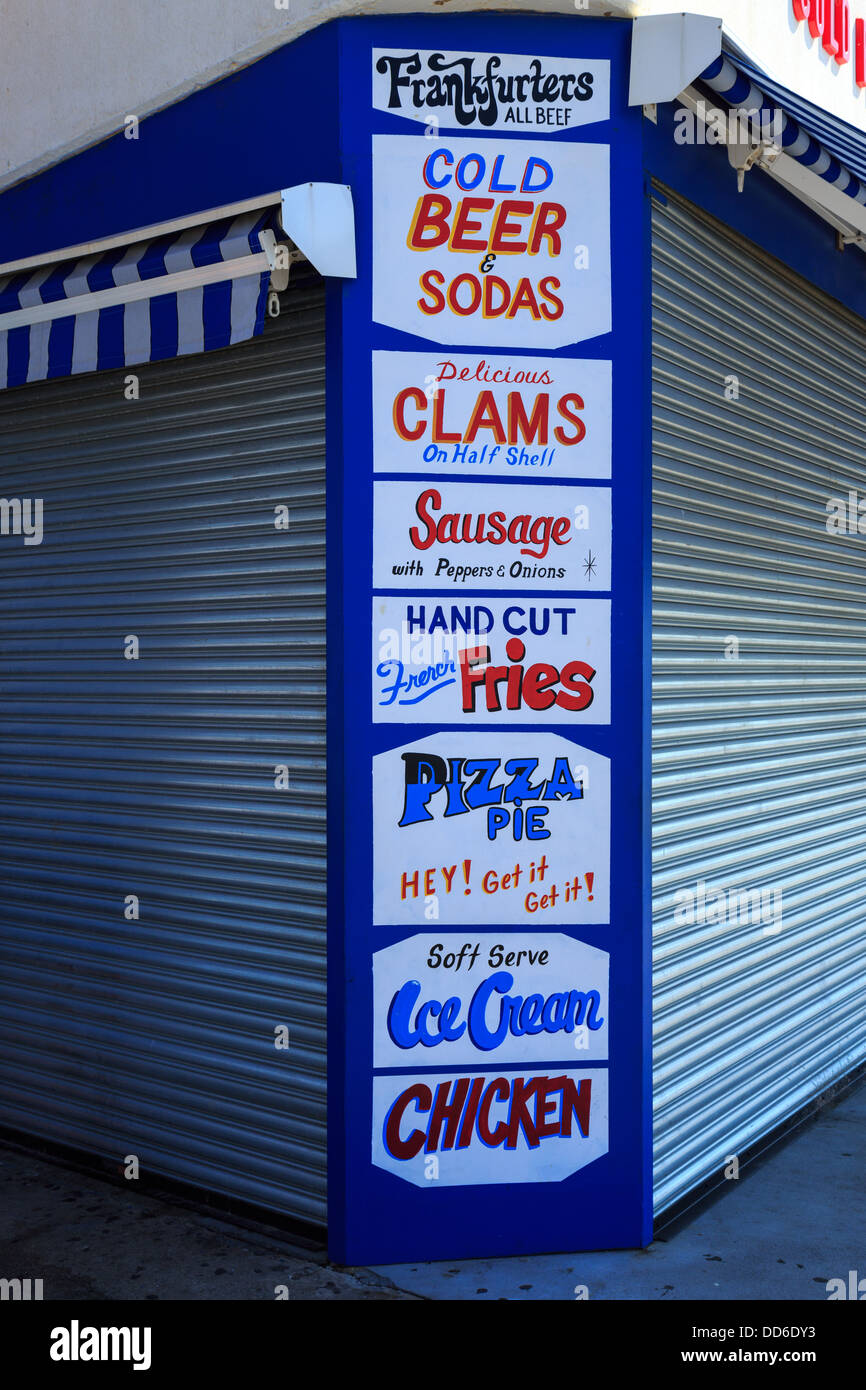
x=493 y=528
x=829 y=41
x=829 y=21
x=803 y=11
x=534 y=687
x=540 y=1107
x=843 y=31
x=531 y=423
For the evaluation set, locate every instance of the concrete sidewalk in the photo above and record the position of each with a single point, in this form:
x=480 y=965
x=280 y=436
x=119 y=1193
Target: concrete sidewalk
x=89 y=1238
x=781 y=1231
x=794 y=1221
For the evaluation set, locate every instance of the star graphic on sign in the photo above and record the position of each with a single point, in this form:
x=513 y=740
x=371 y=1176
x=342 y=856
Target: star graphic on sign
x=589 y=565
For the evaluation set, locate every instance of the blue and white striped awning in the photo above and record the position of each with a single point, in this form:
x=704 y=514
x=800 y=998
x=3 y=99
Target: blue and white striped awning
x=187 y=291
x=834 y=157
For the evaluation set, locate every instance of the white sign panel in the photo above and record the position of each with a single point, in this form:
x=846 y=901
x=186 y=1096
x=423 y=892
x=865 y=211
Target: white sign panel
x=490 y=91
x=491 y=242
x=513 y=417
x=507 y=999
x=491 y=661
x=460 y=536
x=477 y=828
x=491 y=1126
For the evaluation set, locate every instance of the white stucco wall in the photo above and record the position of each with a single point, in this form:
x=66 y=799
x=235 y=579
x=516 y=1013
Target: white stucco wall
x=69 y=73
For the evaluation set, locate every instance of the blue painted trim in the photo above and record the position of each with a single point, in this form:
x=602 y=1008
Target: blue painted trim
x=646 y=463
x=376 y=1217
x=336 y=768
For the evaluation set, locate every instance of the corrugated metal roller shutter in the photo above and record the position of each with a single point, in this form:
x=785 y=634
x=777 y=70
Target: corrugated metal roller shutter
x=156 y=777
x=759 y=770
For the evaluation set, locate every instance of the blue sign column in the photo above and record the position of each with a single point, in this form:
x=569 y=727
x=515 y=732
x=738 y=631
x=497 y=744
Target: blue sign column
x=489 y=589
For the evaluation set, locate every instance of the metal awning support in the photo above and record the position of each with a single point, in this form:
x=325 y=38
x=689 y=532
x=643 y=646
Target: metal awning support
x=817 y=177
x=672 y=52
x=741 y=94
x=843 y=211
x=170 y=288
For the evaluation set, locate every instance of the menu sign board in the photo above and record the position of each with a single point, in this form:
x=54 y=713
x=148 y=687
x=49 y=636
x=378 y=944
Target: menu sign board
x=490 y=91
x=492 y=585
x=500 y=416
x=492 y=242
x=502 y=661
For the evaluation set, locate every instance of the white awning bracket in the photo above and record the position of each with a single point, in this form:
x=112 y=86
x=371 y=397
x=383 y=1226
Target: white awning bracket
x=320 y=219
x=668 y=51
